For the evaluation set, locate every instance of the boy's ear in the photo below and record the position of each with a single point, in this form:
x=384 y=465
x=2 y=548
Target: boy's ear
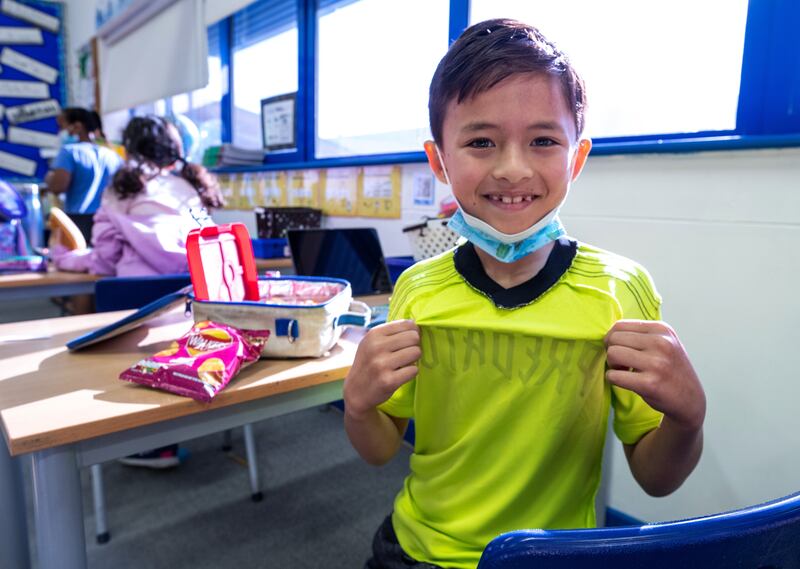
x=434 y=162
x=584 y=147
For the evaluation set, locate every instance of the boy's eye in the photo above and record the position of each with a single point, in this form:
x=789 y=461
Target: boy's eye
x=480 y=143
x=543 y=142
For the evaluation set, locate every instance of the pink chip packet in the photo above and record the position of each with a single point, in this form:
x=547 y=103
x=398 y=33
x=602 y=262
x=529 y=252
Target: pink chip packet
x=201 y=362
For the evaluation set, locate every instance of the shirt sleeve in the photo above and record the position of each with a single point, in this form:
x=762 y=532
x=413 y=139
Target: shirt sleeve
x=633 y=418
x=63 y=161
x=401 y=403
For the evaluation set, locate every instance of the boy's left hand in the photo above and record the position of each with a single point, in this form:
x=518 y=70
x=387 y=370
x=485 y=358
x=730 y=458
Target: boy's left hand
x=647 y=358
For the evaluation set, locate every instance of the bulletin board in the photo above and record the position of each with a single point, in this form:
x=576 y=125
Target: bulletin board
x=32 y=86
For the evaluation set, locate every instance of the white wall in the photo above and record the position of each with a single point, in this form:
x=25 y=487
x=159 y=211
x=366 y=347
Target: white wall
x=719 y=233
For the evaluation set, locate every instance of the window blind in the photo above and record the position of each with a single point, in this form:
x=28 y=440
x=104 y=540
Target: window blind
x=165 y=55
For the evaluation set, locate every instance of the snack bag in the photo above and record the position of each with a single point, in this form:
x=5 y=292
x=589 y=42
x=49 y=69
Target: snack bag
x=201 y=362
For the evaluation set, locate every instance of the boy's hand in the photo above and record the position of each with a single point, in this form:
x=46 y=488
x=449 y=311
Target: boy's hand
x=647 y=358
x=385 y=360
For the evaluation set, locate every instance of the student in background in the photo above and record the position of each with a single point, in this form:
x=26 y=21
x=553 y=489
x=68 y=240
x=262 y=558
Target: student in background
x=510 y=350
x=145 y=215
x=83 y=167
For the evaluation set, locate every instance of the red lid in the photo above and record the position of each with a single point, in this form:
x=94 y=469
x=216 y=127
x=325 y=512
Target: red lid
x=221 y=263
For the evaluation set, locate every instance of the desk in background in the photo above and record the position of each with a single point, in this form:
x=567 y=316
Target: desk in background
x=278 y=264
x=17 y=286
x=69 y=410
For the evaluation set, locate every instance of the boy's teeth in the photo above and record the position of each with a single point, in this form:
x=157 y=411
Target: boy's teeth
x=509 y=199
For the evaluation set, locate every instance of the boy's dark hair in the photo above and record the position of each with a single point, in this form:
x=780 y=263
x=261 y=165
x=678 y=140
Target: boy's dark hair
x=490 y=51
x=89 y=119
x=152 y=143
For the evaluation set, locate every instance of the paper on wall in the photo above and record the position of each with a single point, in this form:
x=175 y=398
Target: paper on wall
x=273 y=189
x=28 y=65
x=423 y=188
x=379 y=192
x=32 y=111
x=23 y=89
x=304 y=188
x=30 y=137
x=24 y=12
x=341 y=191
x=17 y=164
x=14 y=35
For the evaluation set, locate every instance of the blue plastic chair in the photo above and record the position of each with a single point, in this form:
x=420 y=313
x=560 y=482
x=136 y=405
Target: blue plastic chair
x=123 y=293
x=765 y=536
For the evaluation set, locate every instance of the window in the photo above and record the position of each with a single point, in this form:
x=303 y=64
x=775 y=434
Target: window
x=375 y=60
x=265 y=47
x=650 y=68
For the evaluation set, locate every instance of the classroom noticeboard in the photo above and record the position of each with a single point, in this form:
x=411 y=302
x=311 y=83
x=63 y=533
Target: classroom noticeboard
x=32 y=86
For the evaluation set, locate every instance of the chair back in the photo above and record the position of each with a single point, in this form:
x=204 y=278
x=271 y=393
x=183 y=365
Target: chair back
x=122 y=293
x=765 y=536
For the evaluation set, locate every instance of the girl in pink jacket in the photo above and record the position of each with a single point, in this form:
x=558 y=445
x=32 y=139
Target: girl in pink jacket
x=145 y=215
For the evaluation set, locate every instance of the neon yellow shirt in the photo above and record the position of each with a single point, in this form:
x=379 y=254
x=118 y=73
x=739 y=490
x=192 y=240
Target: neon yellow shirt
x=511 y=405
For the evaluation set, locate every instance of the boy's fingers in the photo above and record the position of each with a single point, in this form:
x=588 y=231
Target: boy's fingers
x=402 y=358
x=625 y=379
x=396 y=327
x=635 y=340
x=404 y=375
x=638 y=326
x=622 y=357
x=402 y=339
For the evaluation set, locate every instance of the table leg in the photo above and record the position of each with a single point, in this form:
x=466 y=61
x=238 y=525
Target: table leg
x=58 y=509
x=13 y=523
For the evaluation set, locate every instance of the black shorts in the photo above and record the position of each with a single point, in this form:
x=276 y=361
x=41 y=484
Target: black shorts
x=387 y=553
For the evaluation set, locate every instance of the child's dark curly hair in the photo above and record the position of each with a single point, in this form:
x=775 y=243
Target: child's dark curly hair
x=153 y=143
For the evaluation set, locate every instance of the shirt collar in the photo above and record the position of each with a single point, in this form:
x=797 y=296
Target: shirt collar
x=469 y=266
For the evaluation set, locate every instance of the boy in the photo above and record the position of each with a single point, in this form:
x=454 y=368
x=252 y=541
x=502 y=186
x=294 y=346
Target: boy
x=509 y=350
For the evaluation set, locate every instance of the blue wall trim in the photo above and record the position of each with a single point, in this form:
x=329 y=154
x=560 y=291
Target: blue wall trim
x=226 y=103
x=683 y=145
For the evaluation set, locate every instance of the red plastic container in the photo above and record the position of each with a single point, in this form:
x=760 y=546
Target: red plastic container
x=221 y=263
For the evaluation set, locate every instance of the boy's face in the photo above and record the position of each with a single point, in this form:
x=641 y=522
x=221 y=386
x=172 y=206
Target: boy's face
x=511 y=152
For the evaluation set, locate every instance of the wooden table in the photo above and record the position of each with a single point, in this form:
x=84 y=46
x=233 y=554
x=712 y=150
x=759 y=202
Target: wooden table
x=17 y=286
x=69 y=410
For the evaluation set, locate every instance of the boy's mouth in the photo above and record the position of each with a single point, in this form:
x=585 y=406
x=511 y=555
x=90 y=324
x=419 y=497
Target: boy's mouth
x=510 y=201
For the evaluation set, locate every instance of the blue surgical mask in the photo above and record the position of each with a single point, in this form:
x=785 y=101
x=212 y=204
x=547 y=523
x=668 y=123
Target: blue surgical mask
x=494 y=242
x=67 y=138
x=504 y=247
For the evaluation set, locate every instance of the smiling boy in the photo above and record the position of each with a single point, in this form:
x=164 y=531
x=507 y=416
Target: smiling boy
x=510 y=350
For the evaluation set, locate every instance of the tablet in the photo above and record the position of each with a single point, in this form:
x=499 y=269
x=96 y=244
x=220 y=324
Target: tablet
x=351 y=254
x=145 y=313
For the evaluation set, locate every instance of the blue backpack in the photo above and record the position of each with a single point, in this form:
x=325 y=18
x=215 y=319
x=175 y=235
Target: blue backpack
x=15 y=250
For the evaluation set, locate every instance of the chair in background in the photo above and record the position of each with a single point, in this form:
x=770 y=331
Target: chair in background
x=121 y=293
x=63 y=231
x=765 y=536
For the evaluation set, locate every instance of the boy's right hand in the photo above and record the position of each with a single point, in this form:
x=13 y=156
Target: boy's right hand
x=386 y=359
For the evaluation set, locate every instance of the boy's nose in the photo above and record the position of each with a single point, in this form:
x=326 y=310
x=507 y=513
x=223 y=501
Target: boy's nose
x=512 y=166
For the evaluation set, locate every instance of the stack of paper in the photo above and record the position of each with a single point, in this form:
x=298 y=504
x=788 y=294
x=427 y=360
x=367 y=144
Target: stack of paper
x=230 y=155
